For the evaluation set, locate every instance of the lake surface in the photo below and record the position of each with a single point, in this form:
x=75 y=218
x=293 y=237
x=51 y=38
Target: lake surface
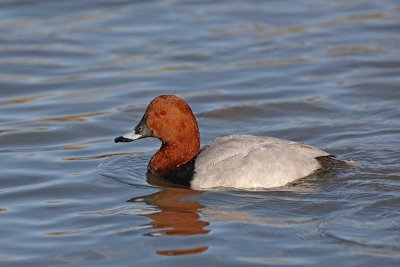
x=75 y=74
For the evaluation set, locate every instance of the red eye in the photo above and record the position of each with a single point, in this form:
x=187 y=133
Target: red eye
x=163 y=113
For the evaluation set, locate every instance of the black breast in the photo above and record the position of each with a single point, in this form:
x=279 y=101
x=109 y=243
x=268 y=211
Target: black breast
x=183 y=175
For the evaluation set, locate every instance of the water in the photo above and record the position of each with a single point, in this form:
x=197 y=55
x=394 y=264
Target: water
x=75 y=74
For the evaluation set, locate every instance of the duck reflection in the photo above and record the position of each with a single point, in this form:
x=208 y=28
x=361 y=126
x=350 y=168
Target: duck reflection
x=177 y=215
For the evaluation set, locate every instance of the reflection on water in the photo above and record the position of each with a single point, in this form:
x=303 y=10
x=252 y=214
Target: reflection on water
x=178 y=252
x=177 y=216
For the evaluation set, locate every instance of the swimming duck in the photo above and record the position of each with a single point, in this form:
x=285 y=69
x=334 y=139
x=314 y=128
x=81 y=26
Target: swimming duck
x=234 y=161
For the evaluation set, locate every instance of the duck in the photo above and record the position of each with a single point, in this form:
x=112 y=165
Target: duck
x=233 y=161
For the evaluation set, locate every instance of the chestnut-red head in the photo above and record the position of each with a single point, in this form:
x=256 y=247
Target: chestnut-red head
x=170 y=119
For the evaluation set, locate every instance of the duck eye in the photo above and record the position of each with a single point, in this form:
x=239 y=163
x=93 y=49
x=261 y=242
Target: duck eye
x=162 y=113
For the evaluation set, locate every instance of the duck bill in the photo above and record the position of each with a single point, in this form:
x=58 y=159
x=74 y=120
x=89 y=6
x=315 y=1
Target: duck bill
x=128 y=137
x=141 y=131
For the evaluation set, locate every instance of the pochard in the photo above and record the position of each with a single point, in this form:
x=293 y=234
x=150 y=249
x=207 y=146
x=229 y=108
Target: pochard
x=234 y=161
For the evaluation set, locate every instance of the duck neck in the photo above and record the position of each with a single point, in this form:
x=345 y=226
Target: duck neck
x=172 y=155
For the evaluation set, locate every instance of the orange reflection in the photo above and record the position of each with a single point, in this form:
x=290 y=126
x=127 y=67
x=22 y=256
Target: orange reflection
x=73 y=118
x=20 y=100
x=177 y=216
x=178 y=252
x=80 y=117
x=74 y=147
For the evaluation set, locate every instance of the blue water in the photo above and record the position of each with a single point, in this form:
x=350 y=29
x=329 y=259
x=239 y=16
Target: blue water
x=75 y=74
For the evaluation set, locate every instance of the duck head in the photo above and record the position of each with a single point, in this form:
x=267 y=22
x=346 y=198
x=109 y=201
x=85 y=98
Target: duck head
x=169 y=119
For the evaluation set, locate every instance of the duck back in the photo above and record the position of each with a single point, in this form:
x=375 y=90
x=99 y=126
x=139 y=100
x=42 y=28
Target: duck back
x=244 y=161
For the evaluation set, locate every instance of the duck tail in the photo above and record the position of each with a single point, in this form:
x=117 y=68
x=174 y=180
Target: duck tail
x=352 y=164
x=330 y=162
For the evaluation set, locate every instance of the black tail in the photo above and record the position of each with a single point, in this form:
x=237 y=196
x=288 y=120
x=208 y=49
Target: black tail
x=330 y=162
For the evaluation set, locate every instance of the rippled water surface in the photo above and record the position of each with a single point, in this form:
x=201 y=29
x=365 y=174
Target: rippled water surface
x=75 y=74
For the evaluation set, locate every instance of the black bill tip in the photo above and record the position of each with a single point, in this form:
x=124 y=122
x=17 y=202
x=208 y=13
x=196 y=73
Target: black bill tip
x=122 y=139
